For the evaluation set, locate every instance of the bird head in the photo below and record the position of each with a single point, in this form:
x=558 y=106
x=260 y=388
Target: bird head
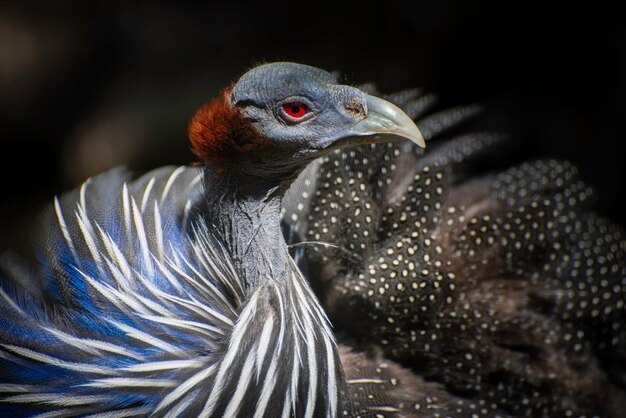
x=278 y=117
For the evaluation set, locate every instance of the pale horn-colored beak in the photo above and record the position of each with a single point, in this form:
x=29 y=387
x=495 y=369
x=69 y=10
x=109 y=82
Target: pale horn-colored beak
x=386 y=122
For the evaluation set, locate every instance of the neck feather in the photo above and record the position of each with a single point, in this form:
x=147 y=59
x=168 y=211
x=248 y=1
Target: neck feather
x=282 y=343
x=245 y=213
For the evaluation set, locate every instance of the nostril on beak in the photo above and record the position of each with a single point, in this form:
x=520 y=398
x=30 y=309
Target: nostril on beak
x=356 y=107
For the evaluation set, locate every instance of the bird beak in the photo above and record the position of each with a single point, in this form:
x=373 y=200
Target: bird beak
x=386 y=122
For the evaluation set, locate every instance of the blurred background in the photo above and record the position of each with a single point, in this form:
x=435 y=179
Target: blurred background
x=85 y=87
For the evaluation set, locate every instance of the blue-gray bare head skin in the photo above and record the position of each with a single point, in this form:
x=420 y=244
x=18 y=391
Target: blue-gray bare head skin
x=335 y=115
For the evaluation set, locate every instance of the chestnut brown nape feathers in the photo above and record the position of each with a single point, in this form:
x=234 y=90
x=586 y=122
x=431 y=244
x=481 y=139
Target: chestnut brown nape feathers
x=219 y=133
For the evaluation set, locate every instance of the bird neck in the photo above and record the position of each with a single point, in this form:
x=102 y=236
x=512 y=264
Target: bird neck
x=282 y=336
x=245 y=212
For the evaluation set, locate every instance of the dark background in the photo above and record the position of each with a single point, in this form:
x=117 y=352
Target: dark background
x=86 y=87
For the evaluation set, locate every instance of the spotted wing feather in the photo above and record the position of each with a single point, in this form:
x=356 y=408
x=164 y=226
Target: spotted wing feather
x=501 y=285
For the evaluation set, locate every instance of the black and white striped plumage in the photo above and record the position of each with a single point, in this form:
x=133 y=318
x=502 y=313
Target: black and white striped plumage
x=140 y=308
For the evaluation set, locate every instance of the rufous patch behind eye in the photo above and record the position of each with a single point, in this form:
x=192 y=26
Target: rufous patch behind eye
x=220 y=134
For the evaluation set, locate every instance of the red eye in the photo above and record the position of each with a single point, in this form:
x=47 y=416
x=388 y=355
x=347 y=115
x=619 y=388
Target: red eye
x=295 y=111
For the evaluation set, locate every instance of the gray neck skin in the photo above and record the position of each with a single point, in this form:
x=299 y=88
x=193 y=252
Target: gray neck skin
x=244 y=209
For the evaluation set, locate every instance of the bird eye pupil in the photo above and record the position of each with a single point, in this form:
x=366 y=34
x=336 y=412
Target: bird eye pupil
x=294 y=110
